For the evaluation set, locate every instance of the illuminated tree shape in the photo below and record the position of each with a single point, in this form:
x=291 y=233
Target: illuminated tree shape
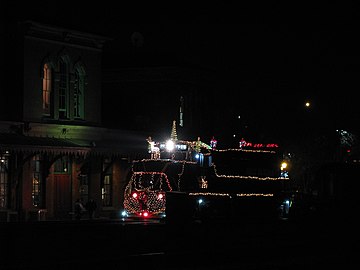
x=173 y=132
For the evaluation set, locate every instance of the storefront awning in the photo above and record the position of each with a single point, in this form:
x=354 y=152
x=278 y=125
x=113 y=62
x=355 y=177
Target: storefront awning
x=27 y=144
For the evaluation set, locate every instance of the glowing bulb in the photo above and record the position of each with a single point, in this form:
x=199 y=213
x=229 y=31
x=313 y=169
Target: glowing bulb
x=170 y=145
x=283 y=165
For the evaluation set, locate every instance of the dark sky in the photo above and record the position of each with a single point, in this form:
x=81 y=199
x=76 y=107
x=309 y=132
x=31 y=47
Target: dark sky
x=281 y=54
x=298 y=45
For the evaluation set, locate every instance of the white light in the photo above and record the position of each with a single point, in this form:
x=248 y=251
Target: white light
x=197 y=156
x=283 y=165
x=124 y=214
x=170 y=145
x=200 y=201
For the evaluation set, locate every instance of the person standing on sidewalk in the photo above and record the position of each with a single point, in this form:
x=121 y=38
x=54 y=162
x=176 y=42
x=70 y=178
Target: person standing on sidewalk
x=78 y=209
x=91 y=207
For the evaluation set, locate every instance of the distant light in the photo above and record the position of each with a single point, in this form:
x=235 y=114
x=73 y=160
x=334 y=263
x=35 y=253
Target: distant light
x=170 y=145
x=307 y=104
x=234 y=135
x=239 y=117
x=200 y=201
x=197 y=156
x=124 y=214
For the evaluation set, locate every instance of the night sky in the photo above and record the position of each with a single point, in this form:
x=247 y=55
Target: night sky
x=269 y=58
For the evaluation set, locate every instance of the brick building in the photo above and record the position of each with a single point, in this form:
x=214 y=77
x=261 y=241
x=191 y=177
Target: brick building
x=53 y=147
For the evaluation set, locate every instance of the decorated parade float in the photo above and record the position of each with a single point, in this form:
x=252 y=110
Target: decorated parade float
x=192 y=180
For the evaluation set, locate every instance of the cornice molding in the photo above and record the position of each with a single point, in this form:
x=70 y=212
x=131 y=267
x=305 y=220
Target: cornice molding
x=37 y=30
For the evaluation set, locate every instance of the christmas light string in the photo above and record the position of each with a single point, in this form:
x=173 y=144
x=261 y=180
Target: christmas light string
x=146 y=198
x=230 y=195
x=152 y=174
x=149 y=198
x=165 y=160
x=244 y=150
x=248 y=177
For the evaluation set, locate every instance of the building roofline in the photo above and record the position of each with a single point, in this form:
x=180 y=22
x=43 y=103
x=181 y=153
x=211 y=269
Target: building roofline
x=48 y=32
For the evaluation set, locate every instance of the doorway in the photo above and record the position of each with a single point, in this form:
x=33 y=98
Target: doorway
x=62 y=203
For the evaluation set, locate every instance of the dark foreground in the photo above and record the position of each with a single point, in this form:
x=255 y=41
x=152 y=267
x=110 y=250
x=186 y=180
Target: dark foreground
x=246 y=244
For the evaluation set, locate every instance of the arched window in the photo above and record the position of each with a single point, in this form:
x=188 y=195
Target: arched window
x=46 y=89
x=79 y=88
x=63 y=89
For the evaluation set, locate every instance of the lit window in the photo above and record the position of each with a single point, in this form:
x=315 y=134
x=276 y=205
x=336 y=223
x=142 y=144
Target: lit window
x=36 y=182
x=106 y=190
x=79 y=87
x=46 y=89
x=63 y=90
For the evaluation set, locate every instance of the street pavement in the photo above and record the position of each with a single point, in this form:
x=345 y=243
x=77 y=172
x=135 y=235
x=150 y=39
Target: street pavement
x=211 y=244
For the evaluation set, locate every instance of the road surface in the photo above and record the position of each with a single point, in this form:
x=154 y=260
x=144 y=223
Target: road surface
x=240 y=244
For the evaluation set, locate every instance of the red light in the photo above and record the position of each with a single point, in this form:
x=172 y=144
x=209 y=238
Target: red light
x=145 y=214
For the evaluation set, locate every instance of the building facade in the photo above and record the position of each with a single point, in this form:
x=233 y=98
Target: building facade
x=53 y=147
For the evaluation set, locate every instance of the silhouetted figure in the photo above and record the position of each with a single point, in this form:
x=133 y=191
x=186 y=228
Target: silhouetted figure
x=91 y=207
x=79 y=209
